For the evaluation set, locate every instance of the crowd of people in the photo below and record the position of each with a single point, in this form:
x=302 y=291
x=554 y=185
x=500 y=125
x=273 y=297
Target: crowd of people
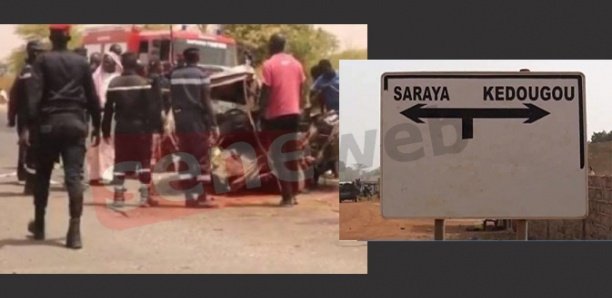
x=60 y=98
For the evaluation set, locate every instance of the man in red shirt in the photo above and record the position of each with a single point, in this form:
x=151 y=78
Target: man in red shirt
x=283 y=79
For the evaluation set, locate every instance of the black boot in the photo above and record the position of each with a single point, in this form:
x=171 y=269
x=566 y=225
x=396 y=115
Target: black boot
x=73 y=238
x=37 y=226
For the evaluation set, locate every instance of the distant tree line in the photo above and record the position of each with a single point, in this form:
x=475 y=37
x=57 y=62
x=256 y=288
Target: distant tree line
x=307 y=43
x=357 y=171
x=601 y=136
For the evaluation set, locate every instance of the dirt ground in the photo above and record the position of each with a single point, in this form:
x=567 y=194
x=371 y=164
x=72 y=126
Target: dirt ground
x=363 y=221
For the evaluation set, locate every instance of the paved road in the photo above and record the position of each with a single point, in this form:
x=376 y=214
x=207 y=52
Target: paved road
x=247 y=235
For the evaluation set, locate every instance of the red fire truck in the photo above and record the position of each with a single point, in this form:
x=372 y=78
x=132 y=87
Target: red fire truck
x=217 y=51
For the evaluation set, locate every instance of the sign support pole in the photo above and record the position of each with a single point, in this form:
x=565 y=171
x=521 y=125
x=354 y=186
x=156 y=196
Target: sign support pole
x=522 y=230
x=439 y=229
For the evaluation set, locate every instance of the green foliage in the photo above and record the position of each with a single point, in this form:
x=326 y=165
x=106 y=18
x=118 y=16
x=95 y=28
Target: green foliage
x=357 y=171
x=40 y=32
x=601 y=136
x=372 y=175
x=305 y=42
x=6 y=81
x=203 y=27
x=348 y=174
x=351 y=54
x=155 y=26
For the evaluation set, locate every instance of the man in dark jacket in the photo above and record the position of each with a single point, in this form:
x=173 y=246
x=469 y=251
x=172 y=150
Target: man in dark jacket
x=327 y=86
x=196 y=126
x=136 y=105
x=155 y=73
x=17 y=107
x=60 y=95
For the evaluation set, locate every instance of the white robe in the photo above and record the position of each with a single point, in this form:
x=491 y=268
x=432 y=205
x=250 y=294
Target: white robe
x=101 y=159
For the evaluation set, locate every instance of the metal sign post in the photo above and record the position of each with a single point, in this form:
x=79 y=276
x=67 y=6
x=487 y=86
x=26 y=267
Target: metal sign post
x=522 y=230
x=439 y=229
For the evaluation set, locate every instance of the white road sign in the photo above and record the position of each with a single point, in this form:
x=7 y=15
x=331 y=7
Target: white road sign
x=483 y=145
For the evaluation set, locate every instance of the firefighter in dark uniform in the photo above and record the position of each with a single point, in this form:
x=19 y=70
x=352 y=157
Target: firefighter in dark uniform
x=60 y=95
x=156 y=76
x=136 y=105
x=196 y=125
x=17 y=107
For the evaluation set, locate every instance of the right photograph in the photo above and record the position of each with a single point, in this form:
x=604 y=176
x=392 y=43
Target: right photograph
x=476 y=150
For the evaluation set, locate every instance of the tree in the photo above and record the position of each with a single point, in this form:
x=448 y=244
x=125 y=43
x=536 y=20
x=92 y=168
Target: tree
x=372 y=175
x=155 y=26
x=359 y=167
x=351 y=54
x=349 y=174
x=6 y=81
x=305 y=42
x=36 y=32
x=601 y=136
x=203 y=27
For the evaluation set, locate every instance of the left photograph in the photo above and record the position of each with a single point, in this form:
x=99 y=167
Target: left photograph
x=173 y=148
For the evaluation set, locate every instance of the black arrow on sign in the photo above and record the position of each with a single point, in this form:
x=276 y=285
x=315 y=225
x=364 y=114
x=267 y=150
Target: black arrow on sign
x=416 y=112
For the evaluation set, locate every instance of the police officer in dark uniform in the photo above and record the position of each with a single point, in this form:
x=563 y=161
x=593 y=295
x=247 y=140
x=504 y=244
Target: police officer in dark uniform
x=136 y=105
x=196 y=124
x=61 y=94
x=17 y=108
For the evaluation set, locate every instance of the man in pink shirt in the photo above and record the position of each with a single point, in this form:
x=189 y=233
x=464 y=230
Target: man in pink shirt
x=283 y=79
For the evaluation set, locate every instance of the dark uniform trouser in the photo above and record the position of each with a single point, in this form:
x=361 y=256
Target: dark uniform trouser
x=275 y=128
x=29 y=165
x=72 y=152
x=21 y=172
x=132 y=154
x=26 y=163
x=193 y=147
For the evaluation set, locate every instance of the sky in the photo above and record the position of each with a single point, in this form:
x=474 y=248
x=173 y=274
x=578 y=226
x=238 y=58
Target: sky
x=360 y=91
x=350 y=36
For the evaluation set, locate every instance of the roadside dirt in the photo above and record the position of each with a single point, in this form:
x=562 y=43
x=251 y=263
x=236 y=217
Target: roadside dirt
x=363 y=221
